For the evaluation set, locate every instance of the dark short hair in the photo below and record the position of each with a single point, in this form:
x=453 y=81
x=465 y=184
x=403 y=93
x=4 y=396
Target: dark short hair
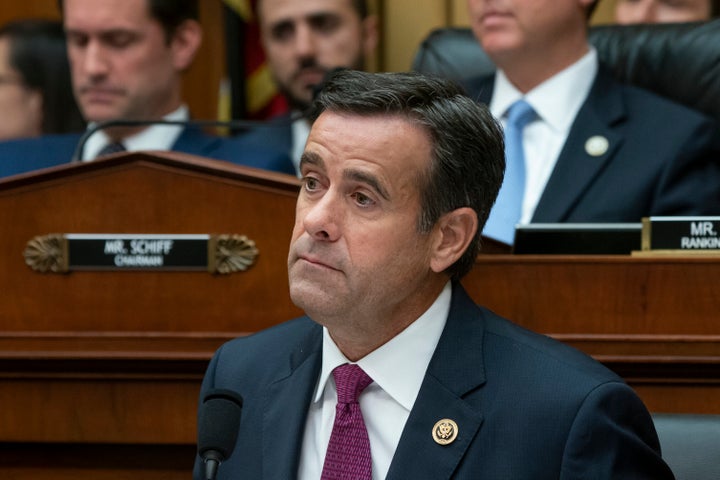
x=169 y=13
x=714 y=8
x=467 y=159
x=38 y=53
x=360 y=6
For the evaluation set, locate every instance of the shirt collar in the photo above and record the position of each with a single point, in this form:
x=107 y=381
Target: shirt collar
x=403 y=380
x=556 y=100
x=154 y=137
x=300 y=133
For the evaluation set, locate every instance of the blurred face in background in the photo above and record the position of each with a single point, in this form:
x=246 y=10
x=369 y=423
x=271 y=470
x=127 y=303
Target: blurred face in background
x=515 y=29
x=21 y=107
x=304 y=39
x=123 y=64
x=662 y=11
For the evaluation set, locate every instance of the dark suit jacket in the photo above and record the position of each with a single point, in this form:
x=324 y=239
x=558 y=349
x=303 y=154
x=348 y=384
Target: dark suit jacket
x=276 y=133
x=663 y=158
x=20 y=156
x=526 y=406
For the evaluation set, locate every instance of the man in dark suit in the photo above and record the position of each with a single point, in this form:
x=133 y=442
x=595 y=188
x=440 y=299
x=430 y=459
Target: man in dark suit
x=399 y=174
x=127 y=58
x=595 y=150
x=303 y=41
x=28 y=155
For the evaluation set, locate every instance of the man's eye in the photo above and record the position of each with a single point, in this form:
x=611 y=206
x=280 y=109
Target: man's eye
x=282 y=31
x=311 y=183
x=362 y=199
x=77 y=40
x=120 y=40
x=325 y=23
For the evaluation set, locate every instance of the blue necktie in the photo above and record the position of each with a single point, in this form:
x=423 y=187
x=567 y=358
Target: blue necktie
x=507 y=210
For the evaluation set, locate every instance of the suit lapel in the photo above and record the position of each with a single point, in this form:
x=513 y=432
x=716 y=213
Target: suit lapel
x=455 y=370
x=590 y=145
x=286 y=405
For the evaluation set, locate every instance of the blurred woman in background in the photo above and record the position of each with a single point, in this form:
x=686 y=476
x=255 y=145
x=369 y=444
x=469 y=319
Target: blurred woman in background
x=35 y=91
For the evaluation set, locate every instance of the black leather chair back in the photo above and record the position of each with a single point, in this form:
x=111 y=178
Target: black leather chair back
x=677 y=61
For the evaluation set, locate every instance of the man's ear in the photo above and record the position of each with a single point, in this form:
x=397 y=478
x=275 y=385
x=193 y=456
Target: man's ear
x=185 y=43
x=455 y=230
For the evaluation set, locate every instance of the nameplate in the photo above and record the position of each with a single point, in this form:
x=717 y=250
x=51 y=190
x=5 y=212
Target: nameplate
x=699 y=234
x=61 y=253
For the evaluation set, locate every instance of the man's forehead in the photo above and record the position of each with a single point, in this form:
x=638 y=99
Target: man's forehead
x=105 y=15
x=284 y=10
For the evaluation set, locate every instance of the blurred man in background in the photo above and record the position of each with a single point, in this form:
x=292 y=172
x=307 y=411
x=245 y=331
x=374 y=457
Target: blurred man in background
x=665 y=11
x=581 y=146
x=303 y=41
x=127 y=58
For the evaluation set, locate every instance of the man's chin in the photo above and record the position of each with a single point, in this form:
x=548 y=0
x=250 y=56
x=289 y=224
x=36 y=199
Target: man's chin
x=102 y=111
x=99 y=116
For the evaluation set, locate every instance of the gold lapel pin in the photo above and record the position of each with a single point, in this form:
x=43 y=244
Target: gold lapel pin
x=597 y=145
x=445 y=431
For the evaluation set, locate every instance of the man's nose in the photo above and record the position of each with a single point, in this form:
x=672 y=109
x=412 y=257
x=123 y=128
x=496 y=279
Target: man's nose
x=323 y=218
x=96 y=60
x=305 y=42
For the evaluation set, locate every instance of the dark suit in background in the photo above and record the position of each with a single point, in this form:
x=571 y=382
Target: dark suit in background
x=277 y=133
x=526 y=406
x=21 y=156
x=663 y=158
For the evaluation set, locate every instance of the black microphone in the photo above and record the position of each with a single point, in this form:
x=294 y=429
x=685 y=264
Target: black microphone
x=233 y=125
x=218 y=428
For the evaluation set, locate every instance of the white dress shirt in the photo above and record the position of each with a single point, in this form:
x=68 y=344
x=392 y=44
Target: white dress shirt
x=397 y=369
x=300 y=133
x=556 y=102
x=154 y=137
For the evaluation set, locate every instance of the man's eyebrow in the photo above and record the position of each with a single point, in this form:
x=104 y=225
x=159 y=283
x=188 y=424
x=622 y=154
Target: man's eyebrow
x=371 y=180
x=311 y=158
x=103 y=33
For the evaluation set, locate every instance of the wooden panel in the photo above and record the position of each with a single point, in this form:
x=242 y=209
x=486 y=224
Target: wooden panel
x=28 y=9
x=652 y=320
x=100 y=408
x=100 y=371
x=405 y=24
x=602 y=295
x=164 y=198
x=95 y=462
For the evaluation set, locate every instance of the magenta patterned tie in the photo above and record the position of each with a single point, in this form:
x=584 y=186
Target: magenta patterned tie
x=348 y=453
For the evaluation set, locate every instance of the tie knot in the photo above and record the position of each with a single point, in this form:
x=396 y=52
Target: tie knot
x=350 y=381
x=520 y=114
x=110 y=148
